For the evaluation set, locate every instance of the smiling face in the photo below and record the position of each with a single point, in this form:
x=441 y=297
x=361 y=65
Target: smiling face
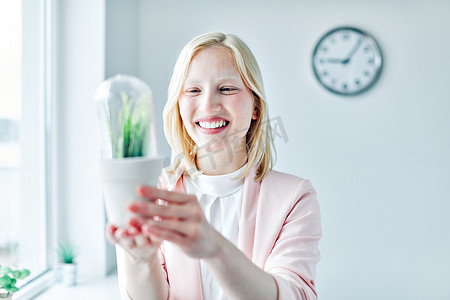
x=215 y=104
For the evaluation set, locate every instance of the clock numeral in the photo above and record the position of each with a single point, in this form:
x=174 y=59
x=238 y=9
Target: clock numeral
x=345 y=86
x=333 y=81
x=366 y=49
x=324 y=49
x=325 y=73
x=371 y=61
x=357 y=82
x=366 y=73
x=346 y=37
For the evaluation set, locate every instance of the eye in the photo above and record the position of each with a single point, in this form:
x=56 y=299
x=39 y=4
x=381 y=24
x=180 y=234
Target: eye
x=193 y=91
x=228 y=90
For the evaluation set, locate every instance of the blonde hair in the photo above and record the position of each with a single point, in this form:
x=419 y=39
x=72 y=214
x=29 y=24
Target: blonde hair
x=260 y=146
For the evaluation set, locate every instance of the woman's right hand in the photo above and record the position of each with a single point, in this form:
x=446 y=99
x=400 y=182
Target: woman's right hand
x=138 y=263
x=133 y=241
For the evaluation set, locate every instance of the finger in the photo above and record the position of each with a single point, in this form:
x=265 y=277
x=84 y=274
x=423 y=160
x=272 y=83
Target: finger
x=126 y=243
x=149 y=210
x=124 y=238
x=133 y=231
x=140 y=222
x=153 y=193
x=167 y=235
x=181 y=227
x=109 y=233
x=130 y=240
x=136 y=223
x=142 y=241
x=146 y=232
x=111 y=228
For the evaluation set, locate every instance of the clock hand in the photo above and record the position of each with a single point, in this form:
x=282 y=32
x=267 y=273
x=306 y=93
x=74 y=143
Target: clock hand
x=352 y=52
x=335 y=60
x=349 y=56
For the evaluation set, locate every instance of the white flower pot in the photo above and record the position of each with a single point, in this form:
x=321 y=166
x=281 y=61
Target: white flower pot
x=68 y=274
x=6 y=296
x=120 y=177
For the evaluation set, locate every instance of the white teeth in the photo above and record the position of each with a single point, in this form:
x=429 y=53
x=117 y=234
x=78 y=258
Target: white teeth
x=210 y=125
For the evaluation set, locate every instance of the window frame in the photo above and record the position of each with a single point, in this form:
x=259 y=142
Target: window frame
x=45 y=90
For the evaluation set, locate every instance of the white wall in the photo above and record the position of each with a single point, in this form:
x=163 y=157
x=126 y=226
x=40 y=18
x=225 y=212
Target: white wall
x=379 y=161
x=121 y=38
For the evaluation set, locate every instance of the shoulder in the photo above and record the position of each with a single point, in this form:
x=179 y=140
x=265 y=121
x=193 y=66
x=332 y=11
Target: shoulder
x=286 y=181
x=277 y=175
x=287 y=186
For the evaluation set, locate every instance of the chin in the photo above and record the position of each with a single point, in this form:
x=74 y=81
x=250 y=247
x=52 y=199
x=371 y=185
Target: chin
x=209 y=146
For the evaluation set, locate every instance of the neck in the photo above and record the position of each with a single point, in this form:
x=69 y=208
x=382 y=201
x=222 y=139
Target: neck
x=221 y=162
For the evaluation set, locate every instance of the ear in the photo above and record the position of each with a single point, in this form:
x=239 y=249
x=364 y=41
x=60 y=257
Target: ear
x=255 y=114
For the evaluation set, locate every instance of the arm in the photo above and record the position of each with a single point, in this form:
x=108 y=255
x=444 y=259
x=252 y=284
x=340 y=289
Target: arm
x=181 y=222
x=289 y=269
x=295 y=253
x=139 y=266
x=146 y=280
x=140 y=259
x=238 y=276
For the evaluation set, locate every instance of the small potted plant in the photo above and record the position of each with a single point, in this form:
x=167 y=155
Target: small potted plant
x=128 y=143
x=8 y=278
x=67 y=266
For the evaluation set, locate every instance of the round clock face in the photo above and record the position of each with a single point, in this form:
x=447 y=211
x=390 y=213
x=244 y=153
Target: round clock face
x=347 y=61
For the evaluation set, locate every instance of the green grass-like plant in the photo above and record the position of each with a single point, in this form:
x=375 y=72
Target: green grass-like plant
x=8 y=278
x=66 y=252
x=133 y=131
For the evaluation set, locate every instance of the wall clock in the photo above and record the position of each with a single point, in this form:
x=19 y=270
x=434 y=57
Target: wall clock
x=347 y=61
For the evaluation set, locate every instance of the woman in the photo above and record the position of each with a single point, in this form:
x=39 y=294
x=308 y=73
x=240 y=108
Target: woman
x=221 y=224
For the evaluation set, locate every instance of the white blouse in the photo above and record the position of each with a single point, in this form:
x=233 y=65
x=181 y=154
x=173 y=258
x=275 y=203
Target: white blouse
x=220 y=198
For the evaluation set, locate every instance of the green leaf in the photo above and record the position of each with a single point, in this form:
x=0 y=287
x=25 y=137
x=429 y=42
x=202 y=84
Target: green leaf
x=15 y=273
x=22 y=274
x=9 y=279
x=11 y=288
x=5 y=280
x=134 y=125
x=5 y=270
x=25 y=273
x=66 y=252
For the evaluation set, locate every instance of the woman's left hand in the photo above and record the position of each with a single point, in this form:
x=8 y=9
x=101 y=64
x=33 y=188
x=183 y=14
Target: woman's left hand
x=179 y=220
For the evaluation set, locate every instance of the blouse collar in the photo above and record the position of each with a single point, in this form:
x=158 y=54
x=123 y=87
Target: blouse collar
x=219 y=185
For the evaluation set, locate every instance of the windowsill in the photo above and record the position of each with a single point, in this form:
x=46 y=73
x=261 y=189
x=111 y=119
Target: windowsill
x=106 y=288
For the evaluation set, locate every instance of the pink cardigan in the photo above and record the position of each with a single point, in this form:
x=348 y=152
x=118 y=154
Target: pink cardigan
x=279 y=231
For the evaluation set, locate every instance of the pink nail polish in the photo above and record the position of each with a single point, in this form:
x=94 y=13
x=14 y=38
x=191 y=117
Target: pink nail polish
x=133 y=206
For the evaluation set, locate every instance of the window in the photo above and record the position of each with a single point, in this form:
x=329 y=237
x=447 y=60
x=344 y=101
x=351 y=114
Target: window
x=10 y=115
x=24 y=180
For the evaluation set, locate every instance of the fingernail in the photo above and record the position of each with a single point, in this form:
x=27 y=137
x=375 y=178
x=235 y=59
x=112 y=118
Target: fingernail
x=140 y=189
x=134 y=222
x=133 y=206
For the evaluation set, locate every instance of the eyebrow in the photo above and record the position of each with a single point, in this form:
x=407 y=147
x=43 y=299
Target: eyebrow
x=230 y=78
x=221 y=80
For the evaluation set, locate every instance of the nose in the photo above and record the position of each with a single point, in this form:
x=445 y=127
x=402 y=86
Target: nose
x=210 y=102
